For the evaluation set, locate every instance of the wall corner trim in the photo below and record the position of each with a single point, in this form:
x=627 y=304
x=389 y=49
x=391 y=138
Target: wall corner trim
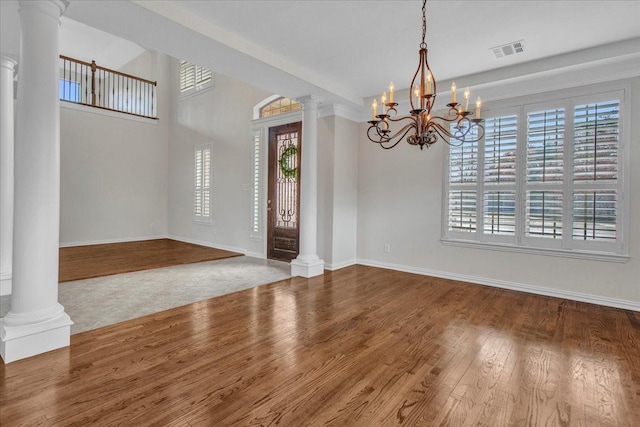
x=338 y=265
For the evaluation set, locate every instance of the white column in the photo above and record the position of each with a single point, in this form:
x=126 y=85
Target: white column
x=7 y=65
x=308 y=264
x=36 y=322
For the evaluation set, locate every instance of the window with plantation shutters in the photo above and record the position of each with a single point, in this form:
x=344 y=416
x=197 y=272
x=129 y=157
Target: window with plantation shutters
x=194 y=78
x=463 y=177
x=256 y=229
x=500 y=143
x=546 y=178
x=596 y=143
x=544 y=172
x=202 y=184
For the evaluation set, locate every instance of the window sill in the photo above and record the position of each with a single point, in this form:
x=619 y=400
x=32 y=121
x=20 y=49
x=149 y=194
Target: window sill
x=203 y=221
x=566 y=253
x=194 y=92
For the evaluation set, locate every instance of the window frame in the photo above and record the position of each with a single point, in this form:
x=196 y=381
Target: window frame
x=201 y=218
x=256 y=231
x=566 y=246
x=198 y=87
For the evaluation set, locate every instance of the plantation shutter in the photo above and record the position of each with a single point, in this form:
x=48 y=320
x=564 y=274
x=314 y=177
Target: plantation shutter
x=463 y=178
x=193 y=77
x=544 y=173
x=596 y=139
x=202 y=75
x=500 y=144
x=255 y=226
x=187 y=76
x=202 y=192
x=595 y=171
x=545 y=145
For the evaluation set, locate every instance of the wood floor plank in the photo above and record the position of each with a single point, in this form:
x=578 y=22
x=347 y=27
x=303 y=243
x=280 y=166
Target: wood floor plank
x=359 y=346
x=88 y=261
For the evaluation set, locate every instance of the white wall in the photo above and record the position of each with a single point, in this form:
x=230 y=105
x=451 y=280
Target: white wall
x=221 y=116
x=337 y=191
x=400 y=203
x=326 y=155
x=113 y=184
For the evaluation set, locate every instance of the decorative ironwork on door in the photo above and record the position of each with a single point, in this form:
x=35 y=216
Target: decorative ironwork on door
x=284 y=191
x=287 y=180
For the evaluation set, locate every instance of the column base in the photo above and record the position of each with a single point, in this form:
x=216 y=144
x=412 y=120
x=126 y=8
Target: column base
x=5 y=282
x=25 y=340
x=307 y=267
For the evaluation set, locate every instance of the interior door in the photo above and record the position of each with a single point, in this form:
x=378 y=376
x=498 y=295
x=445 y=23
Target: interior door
x=283 y=202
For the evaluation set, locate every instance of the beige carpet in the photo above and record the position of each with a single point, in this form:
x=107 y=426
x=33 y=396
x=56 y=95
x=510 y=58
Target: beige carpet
x=102 y=301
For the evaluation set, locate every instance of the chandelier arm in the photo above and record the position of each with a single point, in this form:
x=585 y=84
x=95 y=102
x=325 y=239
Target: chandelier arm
x=379 y=134
x=459 y=135
x=407 y=127
x=452 y=116
x=446 y=136
x=403 y=118
x=381 y=138
x=468 y=126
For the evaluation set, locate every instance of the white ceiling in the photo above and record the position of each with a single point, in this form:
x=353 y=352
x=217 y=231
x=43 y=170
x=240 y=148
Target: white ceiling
x=344 y=51
x=85 y=43
x=364 y=44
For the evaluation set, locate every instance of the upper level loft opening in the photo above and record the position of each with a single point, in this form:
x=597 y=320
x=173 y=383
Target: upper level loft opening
x=88 y=83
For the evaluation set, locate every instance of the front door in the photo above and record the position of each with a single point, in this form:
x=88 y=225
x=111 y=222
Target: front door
x=283 y=202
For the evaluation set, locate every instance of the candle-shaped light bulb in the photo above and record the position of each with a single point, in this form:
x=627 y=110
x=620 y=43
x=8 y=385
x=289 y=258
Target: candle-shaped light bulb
x=383 y=99
x=478 y=104
x=429 y=84
x=453 y=93
x=467 y=94
x=416 y=93
x=391 y=87
x=374 y=107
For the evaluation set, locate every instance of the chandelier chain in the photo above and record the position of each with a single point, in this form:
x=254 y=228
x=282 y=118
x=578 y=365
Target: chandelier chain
x=424 y=24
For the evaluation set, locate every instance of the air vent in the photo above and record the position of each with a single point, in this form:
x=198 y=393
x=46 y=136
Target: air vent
x=508 y=49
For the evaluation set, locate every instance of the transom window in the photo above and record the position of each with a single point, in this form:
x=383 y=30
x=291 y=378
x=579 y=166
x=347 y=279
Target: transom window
x=279 y=106
x=545 y=176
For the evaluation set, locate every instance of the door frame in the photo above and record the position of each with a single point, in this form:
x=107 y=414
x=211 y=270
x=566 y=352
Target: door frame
x=274 y=233
x=262 y=126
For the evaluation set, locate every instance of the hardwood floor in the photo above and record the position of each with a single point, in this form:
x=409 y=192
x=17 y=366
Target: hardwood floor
x=85 y=262
x=358 y=347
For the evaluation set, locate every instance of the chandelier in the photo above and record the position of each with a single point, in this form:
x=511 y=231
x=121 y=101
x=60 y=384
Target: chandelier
x=420 y=127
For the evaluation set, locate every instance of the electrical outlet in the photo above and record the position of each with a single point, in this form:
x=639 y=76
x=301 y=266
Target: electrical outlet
x=387 y=248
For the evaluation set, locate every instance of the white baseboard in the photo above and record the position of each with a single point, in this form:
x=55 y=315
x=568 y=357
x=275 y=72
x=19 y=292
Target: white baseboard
x=538 y=290
x=108 y=241
x=209 y=245
x=256 y=255
x=338 y=265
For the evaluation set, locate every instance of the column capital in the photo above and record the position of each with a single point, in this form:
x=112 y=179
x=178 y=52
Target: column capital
x=8 y=61
x=310 y=101
x=53 y=8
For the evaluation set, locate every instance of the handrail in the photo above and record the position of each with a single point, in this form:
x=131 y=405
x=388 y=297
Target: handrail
x=92 y=63
x=89 y=84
